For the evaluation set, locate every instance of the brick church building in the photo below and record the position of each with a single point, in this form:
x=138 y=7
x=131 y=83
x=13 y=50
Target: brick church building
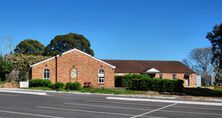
x=77 y=66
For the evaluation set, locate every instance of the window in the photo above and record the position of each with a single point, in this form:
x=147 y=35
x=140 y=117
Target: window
x=174 y=76
x=161 y=76
x=46 y=74
x=101 y=76
x=74 y=73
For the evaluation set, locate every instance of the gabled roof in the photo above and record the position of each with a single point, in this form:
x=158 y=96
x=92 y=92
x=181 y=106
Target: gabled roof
x=72 y=50
x=141 y=66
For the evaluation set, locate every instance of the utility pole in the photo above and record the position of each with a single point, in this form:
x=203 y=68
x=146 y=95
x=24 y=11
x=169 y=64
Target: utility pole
x=56 y=68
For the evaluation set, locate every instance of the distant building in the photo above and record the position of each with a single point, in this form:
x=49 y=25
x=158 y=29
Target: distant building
x=155 y=69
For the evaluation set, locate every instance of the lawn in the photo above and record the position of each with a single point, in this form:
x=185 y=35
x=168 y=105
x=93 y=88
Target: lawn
x=187 y=91
x=218 y=88
x=203 y=92
x=95 y=90
x=2 y=82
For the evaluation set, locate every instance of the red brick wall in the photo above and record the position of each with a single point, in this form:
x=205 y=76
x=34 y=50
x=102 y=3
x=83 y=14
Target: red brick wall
x=192 y=78
x=86 y=66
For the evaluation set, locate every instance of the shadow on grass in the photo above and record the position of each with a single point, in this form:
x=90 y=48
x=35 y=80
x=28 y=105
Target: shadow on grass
x=202 y=92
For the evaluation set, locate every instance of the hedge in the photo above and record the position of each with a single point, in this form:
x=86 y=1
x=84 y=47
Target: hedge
x=145 y=83
x=120 y=81
x=72 y=86
x=57 y=86
x=40 y=83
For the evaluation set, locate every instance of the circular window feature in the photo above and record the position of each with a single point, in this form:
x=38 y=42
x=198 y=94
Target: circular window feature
x=74 y=73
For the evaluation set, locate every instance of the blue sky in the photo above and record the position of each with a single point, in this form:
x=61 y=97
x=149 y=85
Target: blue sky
x=117 y=29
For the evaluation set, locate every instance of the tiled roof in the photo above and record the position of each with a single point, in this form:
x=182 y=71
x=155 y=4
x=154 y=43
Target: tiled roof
x=141 y=66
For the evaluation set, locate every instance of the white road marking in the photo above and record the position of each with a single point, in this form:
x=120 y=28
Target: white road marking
x=22 y=92
x=107 y=106
x=143 y=114
x=121 y=103
x=29 y=114
x=165 y=101
x=88 y=111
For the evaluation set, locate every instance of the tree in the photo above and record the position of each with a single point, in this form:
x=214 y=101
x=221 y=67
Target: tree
x=6 y=45
x=22 y=63
x=62 y=43
x=30 y=46
x=5 y=68
x=215 y=37
x=199 y=59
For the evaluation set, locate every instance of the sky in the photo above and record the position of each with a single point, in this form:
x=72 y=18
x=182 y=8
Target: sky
x=117 y=29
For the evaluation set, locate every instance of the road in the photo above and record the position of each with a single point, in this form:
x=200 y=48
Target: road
x=60 y=105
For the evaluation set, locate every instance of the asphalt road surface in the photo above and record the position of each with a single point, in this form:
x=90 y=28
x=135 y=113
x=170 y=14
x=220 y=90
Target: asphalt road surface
x=58 y=105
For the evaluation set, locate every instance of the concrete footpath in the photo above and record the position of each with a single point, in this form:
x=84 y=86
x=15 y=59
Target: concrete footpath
x=21 y=91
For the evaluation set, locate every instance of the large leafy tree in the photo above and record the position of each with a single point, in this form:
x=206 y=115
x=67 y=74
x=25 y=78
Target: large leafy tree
x=30 y=46
x=215 y=37
x=22 y=62
x=5 y=68
x=62 y=43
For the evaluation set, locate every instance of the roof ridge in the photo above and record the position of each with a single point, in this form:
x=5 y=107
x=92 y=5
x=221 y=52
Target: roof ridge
x=139 y=60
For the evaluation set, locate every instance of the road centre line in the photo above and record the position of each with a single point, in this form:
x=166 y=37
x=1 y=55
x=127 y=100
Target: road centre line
x=96 y=101
x=89 y=111
x=28 y=114
x=107 y=106
x=143 y=114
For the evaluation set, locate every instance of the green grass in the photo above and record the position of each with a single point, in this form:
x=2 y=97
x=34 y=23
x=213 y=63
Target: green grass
x=187 y=91
x=95 y=90
x=110 y=91
x=218 y=88
x=40 y=88
x=203 y=92
x=2 y=82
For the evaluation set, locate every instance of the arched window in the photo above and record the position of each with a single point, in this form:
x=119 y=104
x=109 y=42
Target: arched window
x=101 y=76
x=46 y=74
x=74 y=73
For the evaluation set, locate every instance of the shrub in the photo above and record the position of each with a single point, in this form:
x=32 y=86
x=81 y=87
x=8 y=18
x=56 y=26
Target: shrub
x=132 y=80
x=134 y=84
x=72 y=86
x=145 y=83
x=166 y=86
x=180 y=86
x=120 y=81
x=57 y=86
x=157 y=84
x=5 y=68
x=39 y=83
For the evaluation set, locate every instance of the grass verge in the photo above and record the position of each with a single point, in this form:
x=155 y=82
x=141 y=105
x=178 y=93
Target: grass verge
x=187 y=91
x=95 y=90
